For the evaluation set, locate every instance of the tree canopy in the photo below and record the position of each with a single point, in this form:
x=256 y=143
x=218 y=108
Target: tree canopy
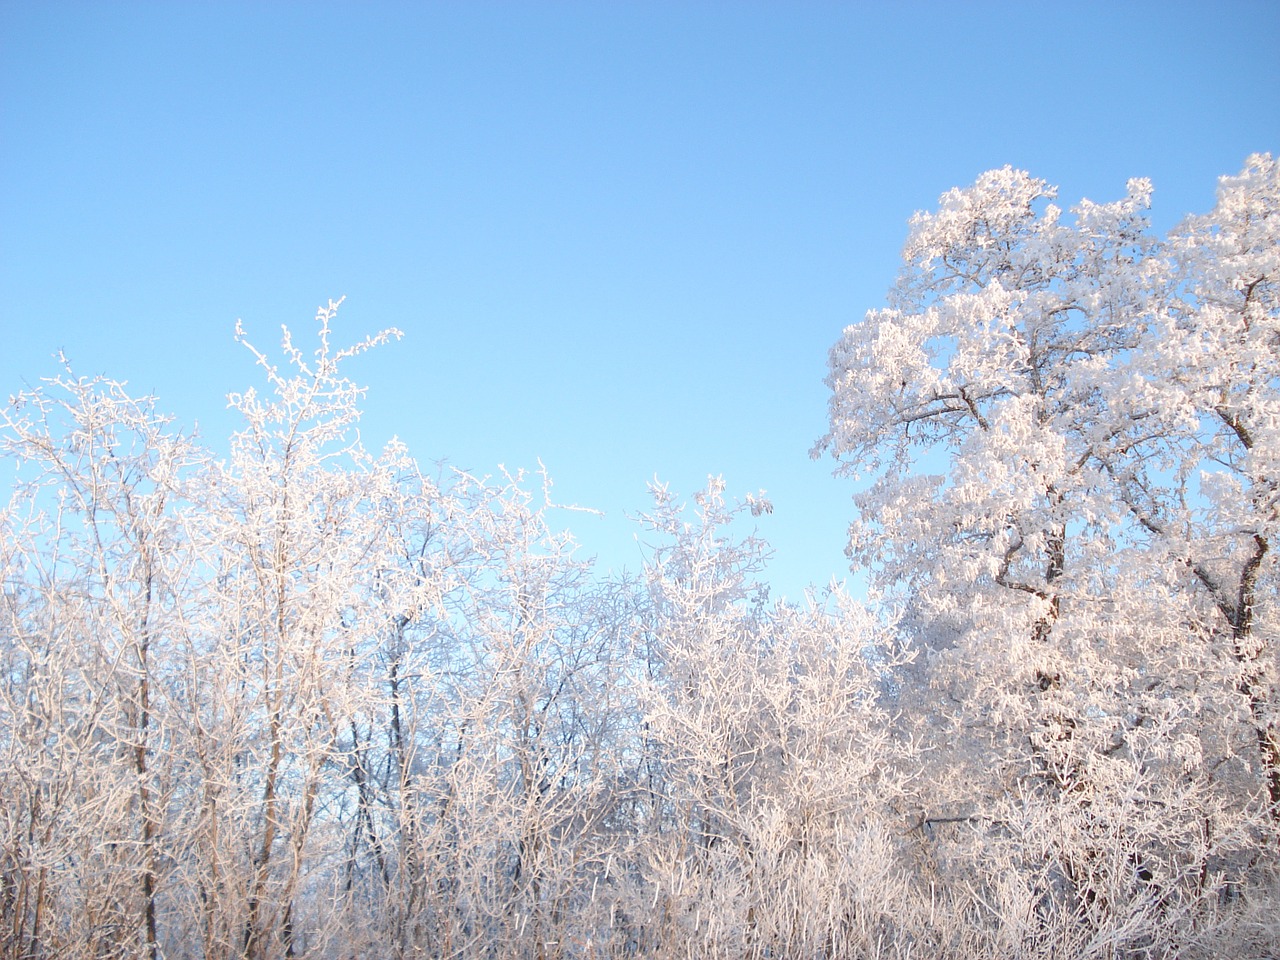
x=316 y=700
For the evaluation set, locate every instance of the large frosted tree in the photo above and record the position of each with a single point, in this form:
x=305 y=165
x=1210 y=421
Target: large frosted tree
x=1068 y=429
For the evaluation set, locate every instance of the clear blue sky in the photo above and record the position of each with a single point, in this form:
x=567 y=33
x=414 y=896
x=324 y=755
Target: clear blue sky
x=618 y=236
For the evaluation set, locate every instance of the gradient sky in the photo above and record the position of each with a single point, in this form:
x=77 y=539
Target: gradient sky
x=619 y=237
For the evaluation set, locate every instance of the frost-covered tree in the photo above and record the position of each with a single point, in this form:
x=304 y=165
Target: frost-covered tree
x=517 y=765
x=97 y=579
x=294 y=531
x=773 y=760
x=1069 y=430
x=301 y=701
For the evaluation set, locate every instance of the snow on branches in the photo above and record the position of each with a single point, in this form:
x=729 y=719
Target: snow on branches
x=1066 y=429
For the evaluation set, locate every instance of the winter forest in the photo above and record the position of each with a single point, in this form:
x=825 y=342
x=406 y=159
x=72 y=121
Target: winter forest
x=314 y=700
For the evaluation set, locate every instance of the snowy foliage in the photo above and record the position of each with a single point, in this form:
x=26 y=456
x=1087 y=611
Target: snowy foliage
x=1069 y=431
x=312 y=700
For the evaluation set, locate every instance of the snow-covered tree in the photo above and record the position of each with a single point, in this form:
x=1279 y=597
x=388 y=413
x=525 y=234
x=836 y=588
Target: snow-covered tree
x=774 y=762
x=97 y=579
x=1069 y=430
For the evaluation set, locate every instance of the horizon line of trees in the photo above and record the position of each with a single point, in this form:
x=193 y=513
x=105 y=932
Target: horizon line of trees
x=312 y=701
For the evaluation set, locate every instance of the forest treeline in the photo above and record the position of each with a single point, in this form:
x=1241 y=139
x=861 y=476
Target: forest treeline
x=311 y=700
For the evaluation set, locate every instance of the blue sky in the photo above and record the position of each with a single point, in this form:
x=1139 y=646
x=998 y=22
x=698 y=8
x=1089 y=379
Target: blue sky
x=619 y=237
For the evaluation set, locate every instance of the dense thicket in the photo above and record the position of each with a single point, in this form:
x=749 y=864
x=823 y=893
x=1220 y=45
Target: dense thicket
x=312 y=701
